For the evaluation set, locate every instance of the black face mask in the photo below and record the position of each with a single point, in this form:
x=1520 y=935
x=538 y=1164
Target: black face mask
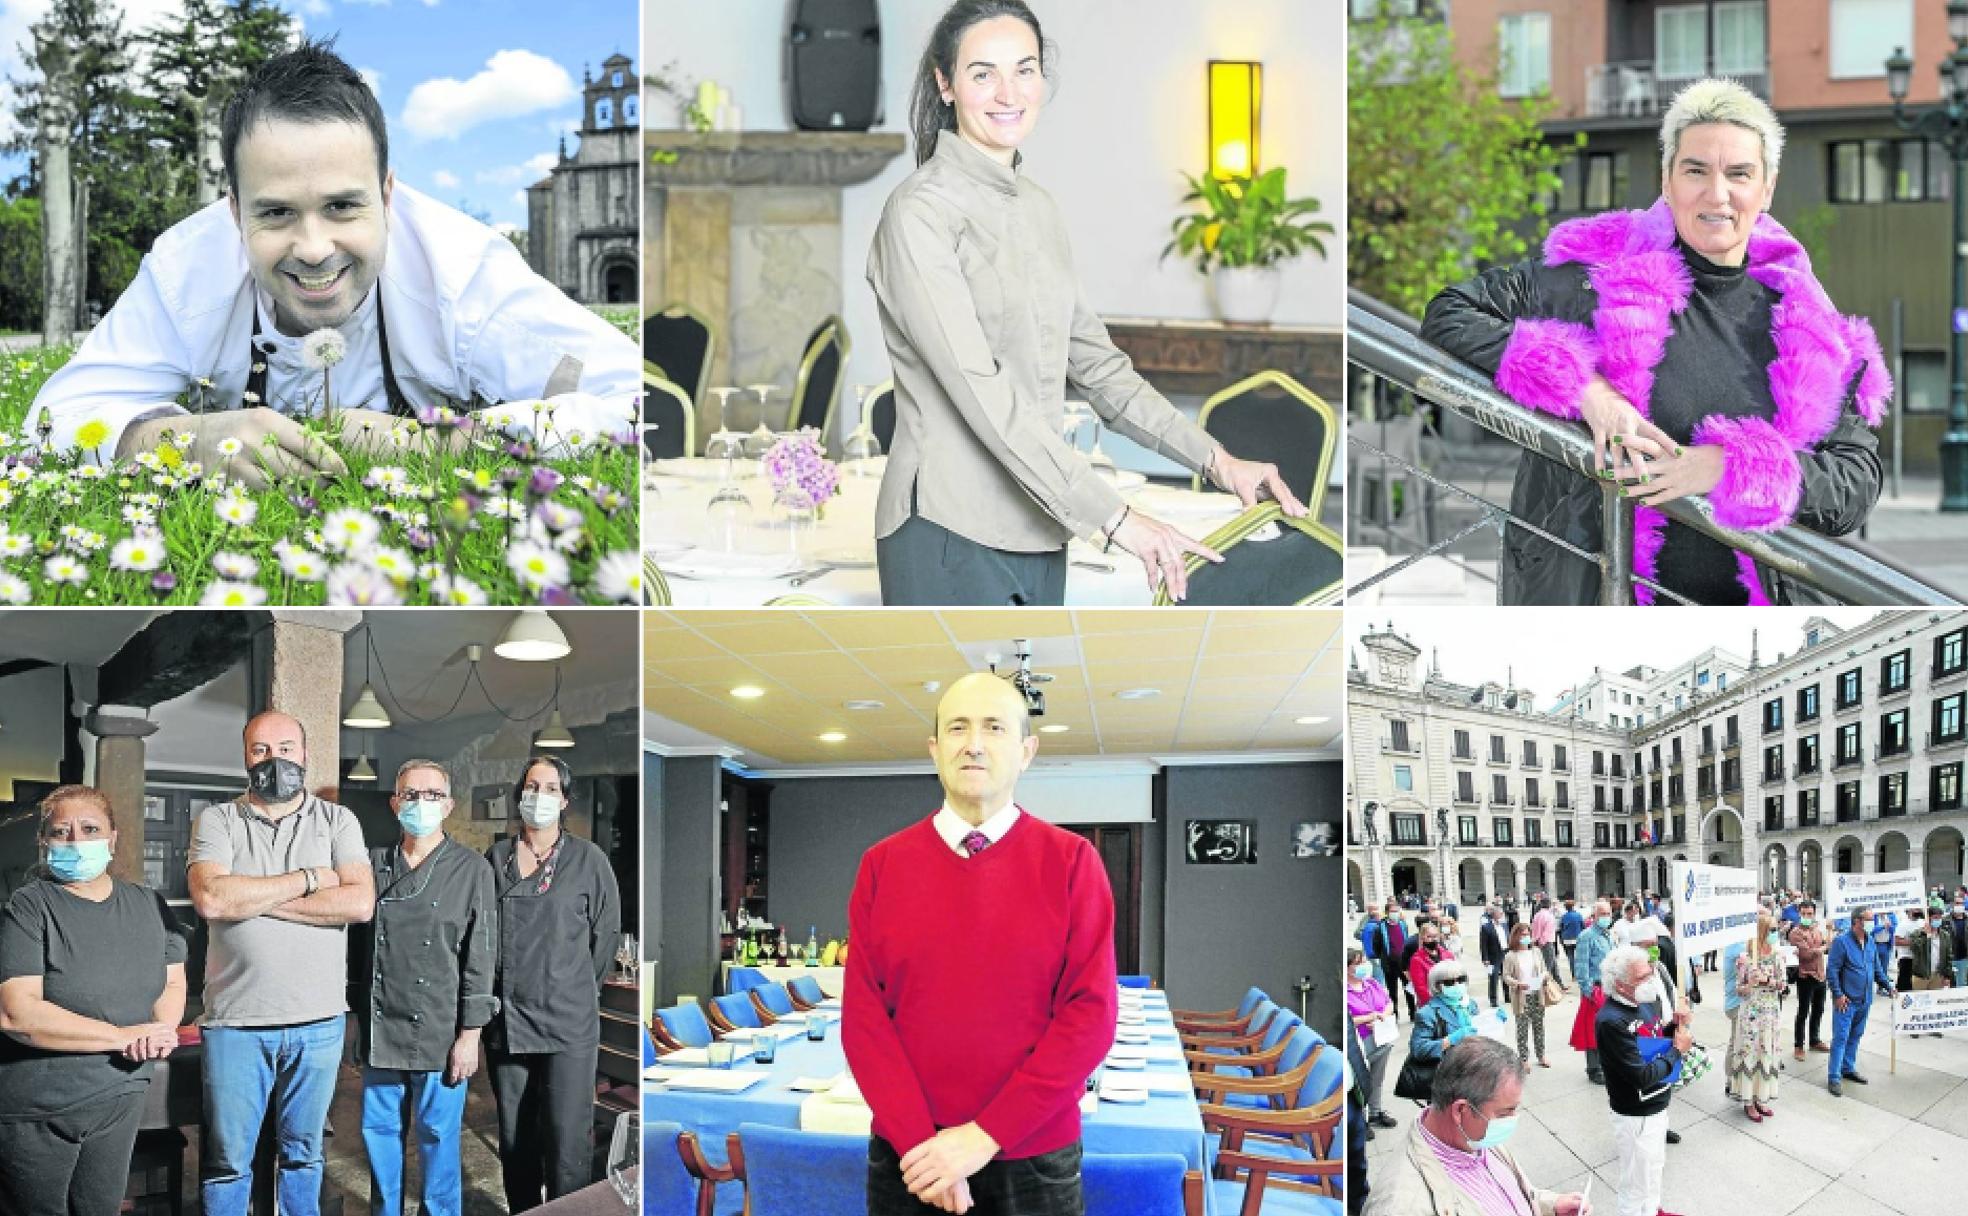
x=277 y=779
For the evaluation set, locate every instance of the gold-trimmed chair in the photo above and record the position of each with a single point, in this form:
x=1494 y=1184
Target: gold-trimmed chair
x=655 y=588
x=669 y=417
x=880 y=414
x=682 y=342
x=1271 y=417
x=1268 y=558
x=797 y=601
x=816 y=390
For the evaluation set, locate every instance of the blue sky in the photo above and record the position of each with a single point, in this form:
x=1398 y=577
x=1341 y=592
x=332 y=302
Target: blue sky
x=476 y=91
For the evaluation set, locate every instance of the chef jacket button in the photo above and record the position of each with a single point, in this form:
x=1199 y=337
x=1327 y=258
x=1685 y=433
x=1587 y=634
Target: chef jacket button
x=427 y=941
x=422 y=980
x=433 y=903
x=416 y=1017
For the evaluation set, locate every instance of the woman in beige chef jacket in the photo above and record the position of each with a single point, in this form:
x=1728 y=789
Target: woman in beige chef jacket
x=985 y=325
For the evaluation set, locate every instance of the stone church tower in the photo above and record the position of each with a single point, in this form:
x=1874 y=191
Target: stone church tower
x=583 y=219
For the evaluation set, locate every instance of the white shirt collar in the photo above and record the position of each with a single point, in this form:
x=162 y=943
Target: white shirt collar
x=952 y=827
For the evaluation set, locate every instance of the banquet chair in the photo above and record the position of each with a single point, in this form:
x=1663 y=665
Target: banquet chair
x=1137 y=981
x=881 y=413
x=816 y=389
x=732 y=1011
x=1320 y=1075
x=772 y=1002
x=797 y=601
x=1272 y=417
x=680 y=340
x=740 y=979
x=668 y=1188
x=720 y=1191
x=655 y=588
x=795 y=1173
x=1225 y=1036
x=806 y=993
x=1268 y=558
x=1144 y=1184
x=1263 y=1062
x=1251 y=1178
x=669 y=420
x=681 y=1026
x=1252 y=998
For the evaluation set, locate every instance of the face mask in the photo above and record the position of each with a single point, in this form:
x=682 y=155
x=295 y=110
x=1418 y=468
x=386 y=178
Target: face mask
x=1499 y=1131
x=1450 y=986
x=421 y=818
x=1772 y=938
x=78 y=862
x=1807 y=921
x=539 y=810
x=1364 y=971
x=1865 y=927
x=277 y=779
x=1604 y=922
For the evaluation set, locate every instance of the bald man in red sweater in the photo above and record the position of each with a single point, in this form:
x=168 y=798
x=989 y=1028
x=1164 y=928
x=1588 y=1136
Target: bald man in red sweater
x=980 y=991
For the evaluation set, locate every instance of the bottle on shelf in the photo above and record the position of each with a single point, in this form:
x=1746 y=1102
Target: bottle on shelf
x=784 y=958
x=812 y=947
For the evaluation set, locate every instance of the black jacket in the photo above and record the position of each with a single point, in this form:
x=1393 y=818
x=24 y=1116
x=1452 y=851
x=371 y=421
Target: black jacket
x=1473 y=321
x=1633 y=1088
x=555 y=947
x=423 y=967
x=1494 y=947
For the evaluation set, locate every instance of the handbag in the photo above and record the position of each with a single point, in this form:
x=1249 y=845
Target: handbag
x=1417 y=1079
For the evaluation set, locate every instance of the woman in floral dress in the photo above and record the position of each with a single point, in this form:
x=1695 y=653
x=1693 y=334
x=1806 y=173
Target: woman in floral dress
x=1756 y=1046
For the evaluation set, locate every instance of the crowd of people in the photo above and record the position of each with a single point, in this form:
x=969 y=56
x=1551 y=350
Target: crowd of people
x=453 y=955
x=1633 y=1026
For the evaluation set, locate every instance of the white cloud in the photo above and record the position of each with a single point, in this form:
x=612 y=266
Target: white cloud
x=513 y=83
x=444 y=179
x=372 y=78
x=526 y=174
x=17 y=15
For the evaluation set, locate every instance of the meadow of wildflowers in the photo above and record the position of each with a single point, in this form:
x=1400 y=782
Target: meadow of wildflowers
x=438 y=513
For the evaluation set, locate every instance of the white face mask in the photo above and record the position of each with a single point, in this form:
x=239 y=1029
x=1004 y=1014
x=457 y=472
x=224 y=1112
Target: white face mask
x=539 y=810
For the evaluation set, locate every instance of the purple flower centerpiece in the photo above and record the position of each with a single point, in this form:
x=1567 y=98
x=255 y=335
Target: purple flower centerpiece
x=797 y=461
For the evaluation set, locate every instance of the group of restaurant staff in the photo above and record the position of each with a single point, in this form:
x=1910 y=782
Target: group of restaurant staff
x=451 y=951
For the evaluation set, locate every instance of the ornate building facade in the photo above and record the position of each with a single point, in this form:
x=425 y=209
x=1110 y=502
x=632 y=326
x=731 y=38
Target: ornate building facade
x=583 y=218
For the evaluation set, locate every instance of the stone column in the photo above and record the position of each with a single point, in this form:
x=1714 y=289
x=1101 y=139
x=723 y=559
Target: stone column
x=120 y=731
x=297 y=669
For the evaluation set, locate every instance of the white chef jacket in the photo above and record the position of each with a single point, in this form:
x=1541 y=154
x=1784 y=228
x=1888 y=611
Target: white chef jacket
x=467 y=318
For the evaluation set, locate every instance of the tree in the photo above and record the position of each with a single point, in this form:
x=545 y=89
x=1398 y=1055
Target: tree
x=196 y=64
x=1443 y=174
x=20 y=263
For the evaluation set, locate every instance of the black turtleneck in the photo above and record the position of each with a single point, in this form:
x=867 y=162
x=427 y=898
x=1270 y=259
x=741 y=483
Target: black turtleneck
x=1716 y=362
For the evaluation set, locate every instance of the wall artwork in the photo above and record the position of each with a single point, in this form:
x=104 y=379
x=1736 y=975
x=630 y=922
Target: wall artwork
x=1315 y=840
x=1222 y=842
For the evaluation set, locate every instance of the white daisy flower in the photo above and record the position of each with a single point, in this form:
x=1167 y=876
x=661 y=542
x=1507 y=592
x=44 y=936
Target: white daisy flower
x=353 y=583
x=231 y=446
x=349 y=530
x=386 y=476
x=456 y=589
x=14 y=589
x=235 y=566
x=138 y=515
x=64 y=568
x=224 y=594
x=13 y=544
x=149 y=460
x=303 y=564
x=144 y=551
x=395 y=563
x=6 y=496
x=536 y=565
x=90 y=472
x=183 y=440
x=619 y=576
x=571 y=540
x=236 y=510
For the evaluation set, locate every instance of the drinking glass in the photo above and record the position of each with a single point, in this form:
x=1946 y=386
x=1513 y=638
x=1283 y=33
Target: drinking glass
x=625 y=1157
x=793 y=511
x=860 y=448
x=725 y=444
x=729 y=514
x=759 y=440
x=721 y=1052
x=816 y=1027
x=765 y=1049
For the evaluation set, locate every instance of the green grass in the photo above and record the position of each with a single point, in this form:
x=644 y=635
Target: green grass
x=451 y=526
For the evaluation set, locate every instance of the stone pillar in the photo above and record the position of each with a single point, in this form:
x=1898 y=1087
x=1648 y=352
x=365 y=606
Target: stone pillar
x=120 y=731
x=297 y=669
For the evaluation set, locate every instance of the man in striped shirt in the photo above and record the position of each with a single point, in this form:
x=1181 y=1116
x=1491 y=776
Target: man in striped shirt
x=1453 y=1161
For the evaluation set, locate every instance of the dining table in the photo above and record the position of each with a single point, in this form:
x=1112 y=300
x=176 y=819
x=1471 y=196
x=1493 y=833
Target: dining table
x=808 y=1086
x=750 y=553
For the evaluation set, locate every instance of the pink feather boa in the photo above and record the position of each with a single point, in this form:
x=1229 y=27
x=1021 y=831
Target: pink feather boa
x=1641 y=284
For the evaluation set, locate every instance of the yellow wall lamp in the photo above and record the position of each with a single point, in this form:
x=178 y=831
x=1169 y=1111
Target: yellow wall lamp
x=1236 y=94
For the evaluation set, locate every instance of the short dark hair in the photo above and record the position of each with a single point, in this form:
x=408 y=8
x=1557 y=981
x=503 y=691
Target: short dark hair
x=310 y=83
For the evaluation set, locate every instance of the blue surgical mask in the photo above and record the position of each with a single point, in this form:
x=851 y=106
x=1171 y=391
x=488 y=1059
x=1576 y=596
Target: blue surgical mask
x=1604 y=922
x=538 y=809
x=421 y=818
x=78 y=862
x=1363 y=971
x=1773 y=938
x=1499 y=1131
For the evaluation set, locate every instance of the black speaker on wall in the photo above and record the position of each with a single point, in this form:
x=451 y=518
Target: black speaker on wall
x=833 y=64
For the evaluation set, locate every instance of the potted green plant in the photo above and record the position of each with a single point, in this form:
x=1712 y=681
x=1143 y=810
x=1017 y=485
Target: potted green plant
x=1243 y=230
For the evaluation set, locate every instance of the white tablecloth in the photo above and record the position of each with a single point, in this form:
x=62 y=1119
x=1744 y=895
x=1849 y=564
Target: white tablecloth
x=674 y=515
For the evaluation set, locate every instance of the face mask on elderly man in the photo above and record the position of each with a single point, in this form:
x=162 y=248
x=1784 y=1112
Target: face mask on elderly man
x=276 y=297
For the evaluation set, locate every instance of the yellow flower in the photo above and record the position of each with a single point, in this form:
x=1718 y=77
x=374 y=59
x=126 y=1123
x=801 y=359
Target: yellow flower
x=169 y=456
x=92 y=433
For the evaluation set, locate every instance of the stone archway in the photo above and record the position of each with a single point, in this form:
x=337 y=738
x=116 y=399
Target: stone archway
x=1504 y=878
x=1722 y=836
x=1469 y=881
x=1356 y=885
x=1660 y=873
x=1891 y=852
x=1413 y=874
x=1848 y=856
x=1537 y=877
x=618 y=283
x=1776 y=868
x=1810 y=869
x=1942 y=860
x=1609 y=878
x=1565 y=878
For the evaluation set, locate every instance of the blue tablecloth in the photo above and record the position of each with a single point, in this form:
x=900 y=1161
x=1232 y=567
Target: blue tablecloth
x=1165 y=1123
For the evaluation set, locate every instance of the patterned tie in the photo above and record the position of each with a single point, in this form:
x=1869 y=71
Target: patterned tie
x=976 y=842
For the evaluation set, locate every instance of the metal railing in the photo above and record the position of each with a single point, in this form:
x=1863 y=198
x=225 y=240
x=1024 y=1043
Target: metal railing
x=1639 y=88
x=1386 y=343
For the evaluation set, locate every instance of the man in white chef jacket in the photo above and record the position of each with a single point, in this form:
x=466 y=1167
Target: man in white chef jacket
x=434 y=307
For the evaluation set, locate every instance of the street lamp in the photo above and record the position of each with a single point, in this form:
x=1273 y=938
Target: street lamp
x=1947 y=126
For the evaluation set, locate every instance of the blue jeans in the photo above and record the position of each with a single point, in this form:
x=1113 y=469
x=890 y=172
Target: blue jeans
x=245 y=1067
x=1960 y=966
x=390 y=1101
x=1847 y=1028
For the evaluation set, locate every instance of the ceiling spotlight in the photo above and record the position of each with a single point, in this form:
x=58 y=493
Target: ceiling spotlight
x=747 y=692
x=1137 y=694
x=554 y=734
x=1054 y=728
x=861 y=705
x=1314 y=720
x=834 y=736
x=532 y=637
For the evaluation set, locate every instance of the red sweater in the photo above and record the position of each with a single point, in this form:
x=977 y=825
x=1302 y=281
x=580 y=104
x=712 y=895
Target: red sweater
x=980 y=988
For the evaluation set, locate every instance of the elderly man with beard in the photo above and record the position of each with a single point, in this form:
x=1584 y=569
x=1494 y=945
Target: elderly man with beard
x=426 y=306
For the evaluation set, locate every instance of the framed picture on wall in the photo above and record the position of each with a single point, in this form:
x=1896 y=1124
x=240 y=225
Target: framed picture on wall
x=1315 y=840
x=490 y=802
x=1222 y=842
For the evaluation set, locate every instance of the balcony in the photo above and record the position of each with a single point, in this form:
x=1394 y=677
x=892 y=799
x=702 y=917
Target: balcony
x=1674 y=763
x=1938 y=742
x=1848 y=814
x=1892 y=751
x=1732 y=787
x=1496 y=761
x=1892 y=811
x=1807 y=716
x=1896 y=693
x=1466 y=757
x=1400 y=747
x=1804 y=768
x=1732 y=745
x=1562 y=804
x=1846 y=707
x=1599 y=771
x=1468 y=802
x=1561 y=766
x=1852 y=761
x=1938 y=674
x=1533 y=804
x=1531 y=762
x=1707 y=750
x=1772 y=728
x=1637 y=88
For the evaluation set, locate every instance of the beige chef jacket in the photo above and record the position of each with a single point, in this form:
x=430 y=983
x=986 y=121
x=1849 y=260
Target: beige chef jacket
x=985 y=325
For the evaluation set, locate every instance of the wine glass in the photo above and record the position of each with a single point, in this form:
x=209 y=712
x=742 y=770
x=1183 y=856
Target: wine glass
x=729 y=514
x=725 y=444
x=625 y=957
x=625 y=1157
x=859 y=449
x=1102 y=463
x=759 y=441
x=793 y=510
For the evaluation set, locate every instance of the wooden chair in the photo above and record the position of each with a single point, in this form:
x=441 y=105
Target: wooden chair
x=1252 y=999
x=1245 y=1176
x=773 y=1002
x=796 y=1173
x=731 y=1011
x=708 y=1176
x=805 y=993
x=1239 y=1037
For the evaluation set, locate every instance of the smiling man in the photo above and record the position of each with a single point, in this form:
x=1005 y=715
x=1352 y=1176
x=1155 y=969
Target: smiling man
x=432 y=307
x=980 y=994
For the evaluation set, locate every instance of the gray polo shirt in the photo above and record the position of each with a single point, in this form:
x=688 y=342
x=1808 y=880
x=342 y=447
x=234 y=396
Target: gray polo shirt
x=266 y=971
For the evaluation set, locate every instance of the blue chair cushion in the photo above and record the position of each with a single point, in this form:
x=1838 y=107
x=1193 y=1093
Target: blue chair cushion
x=794 y=1173
x=1229 y=1196
x=743 y=978
x=667 y=1188
x=1123 y=1184
x=808 y=989
x=1134 y=981
x=775 y=998
x=737 y=1009
x=686 y=1024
